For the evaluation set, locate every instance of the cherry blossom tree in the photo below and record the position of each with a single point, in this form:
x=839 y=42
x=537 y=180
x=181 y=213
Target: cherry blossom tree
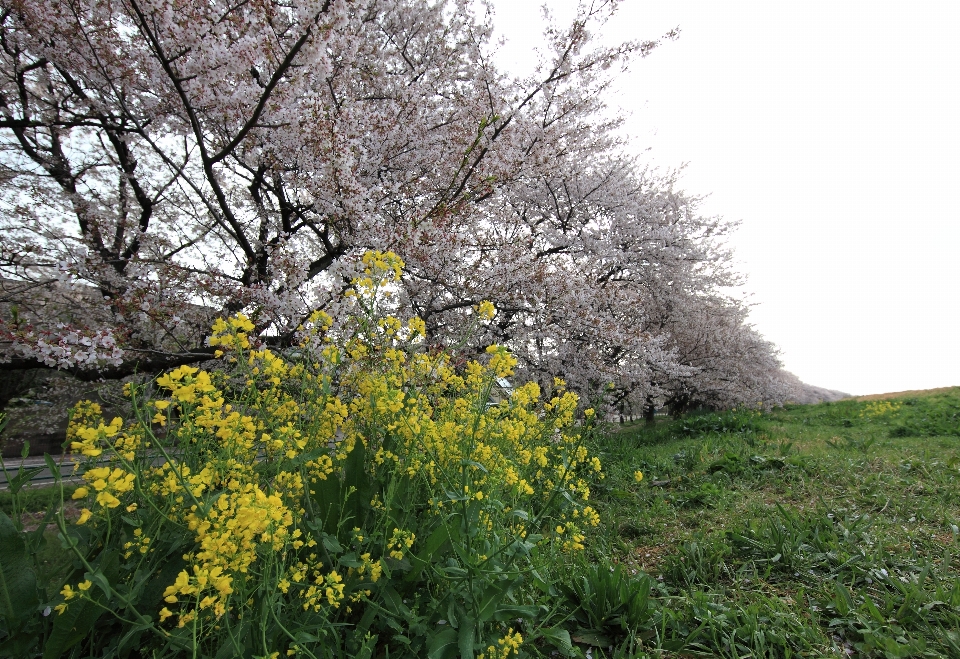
x=165 y=163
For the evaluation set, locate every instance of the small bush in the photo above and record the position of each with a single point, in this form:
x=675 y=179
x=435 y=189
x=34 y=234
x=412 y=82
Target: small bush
x=740 y=421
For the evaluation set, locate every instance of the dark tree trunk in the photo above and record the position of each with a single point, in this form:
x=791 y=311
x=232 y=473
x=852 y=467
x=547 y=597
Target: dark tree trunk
x=648 y=413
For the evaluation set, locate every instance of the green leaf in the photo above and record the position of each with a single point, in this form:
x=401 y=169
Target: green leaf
x=492 y=596
x=19 y=645
x=331 y=543
x=452 y=618
x=52 y=466
x=151 y=596
x=465 y=638
x=443 y=645
x=133 y=635
x=590 y=637
x=306 y=637
x=326 y=496
x=357 y=483
x=437 y=540
x=102 y=582
x=560 y=639
x=71 y=627
x=22 y=477
x=504 y=613
x=474 y=464
x=18 y=582
x=36 y=537
x=393 y=602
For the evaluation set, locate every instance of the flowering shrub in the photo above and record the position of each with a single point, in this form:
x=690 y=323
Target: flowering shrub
x=358 y=495
x=879 y=408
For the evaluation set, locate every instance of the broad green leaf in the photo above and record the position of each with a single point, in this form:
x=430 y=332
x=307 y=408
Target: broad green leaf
x=436 y=541
x=36 y=537
x=331 y=543
x=492 y=596
x=327 y=500
x=560 y=639
x=474 y=464
x=443 y=645
x=133 y=635
x=151 y=596
x=465 y=638
x=590 y=637
x=102 y=582
x=71 y=627
x=356 y=483
x=18 y=582
x=18 y=645
x=452 y=618
x=394 y=603
x=306 y=637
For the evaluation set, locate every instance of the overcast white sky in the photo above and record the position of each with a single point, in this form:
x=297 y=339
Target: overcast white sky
x=831 y=130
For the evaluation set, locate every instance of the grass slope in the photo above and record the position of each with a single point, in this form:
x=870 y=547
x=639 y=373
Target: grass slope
x=827 y=530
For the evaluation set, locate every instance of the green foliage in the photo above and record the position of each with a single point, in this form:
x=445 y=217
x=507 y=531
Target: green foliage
x=814 y=534
x=936 y=414
x=33 y=499
x=741 y=421
x=18 y=588
x=608 y=605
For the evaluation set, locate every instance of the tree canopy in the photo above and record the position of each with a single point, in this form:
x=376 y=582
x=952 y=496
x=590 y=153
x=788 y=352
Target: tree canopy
x=165 y=163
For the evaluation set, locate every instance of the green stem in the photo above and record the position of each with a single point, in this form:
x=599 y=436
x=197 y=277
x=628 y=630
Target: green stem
x=62 y=526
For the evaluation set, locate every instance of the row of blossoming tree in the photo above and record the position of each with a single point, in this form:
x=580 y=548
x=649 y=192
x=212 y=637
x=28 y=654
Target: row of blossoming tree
x=167 y=163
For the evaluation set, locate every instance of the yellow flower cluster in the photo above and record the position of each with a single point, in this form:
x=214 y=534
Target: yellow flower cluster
x=243 y=453
x=501 y=361
x=206 y=587
x=231 y=333
x=140 y=543
x=109 y=484
x=486 y=310
x=879 y=408
x=387 y=266
x=400 y=541
x=316 y=589
x=186 y=383
x=83 y=414
x=505 y=648
x=69 y=593
x=88 y=439
x=228 y=537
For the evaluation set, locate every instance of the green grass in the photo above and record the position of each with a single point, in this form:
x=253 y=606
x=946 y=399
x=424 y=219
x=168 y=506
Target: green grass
x=820 y=531
x=34 y=499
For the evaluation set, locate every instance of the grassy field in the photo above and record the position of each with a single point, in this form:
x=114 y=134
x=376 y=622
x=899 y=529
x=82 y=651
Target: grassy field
x=826 y=530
